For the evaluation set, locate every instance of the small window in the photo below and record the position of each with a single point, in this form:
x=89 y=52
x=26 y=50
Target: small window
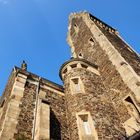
x=123 y=63
x=75 y=25
x=76 y=85
x=76 y=28
x=131 y=106
x=74 y=66
x=45 y=101
x=2 y=104
x=80 y=55
x=86 y=127
x=65 y=71
x=91 y=41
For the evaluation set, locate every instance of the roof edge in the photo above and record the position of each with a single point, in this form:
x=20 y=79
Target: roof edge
x=42 y=80
x=95 y=20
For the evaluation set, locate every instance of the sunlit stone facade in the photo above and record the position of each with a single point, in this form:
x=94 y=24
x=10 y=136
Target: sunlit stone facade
x=100 y=98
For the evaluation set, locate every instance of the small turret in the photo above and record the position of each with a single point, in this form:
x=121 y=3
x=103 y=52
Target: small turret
x=76 y=74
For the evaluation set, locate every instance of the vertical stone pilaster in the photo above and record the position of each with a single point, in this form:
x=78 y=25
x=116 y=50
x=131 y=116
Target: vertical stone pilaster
x=13 y=110
x=26 y=116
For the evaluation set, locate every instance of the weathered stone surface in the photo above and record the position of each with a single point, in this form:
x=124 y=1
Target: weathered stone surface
x=26 y=116
x=101 y=80
x=116 y=89
x=5 y=99
x=95 y=100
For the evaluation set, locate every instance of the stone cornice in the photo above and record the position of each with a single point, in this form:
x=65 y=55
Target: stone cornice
x=76 y=60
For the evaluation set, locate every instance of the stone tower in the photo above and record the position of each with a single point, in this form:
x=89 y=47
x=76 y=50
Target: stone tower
x=100 y=99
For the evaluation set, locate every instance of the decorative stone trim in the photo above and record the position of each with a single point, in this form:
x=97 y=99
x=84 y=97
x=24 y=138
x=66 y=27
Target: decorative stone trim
x=51 y=89
x=46 y=87
x=102 y=24
x=78 y=63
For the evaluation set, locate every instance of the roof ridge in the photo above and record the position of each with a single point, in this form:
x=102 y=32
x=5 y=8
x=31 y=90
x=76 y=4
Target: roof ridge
x=96 y=21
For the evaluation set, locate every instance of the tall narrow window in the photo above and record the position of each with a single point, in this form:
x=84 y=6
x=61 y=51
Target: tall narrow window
x=76 y=85
x=85 y=127
x=42 y=124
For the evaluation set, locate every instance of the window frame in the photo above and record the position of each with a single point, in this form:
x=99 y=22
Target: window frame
x=76 y=83
x=81 y=131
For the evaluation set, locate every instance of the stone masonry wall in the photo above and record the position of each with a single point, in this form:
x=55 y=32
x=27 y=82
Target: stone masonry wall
x=96 y=101
x=130 y=56
x=26 y=117
x=93 y=52
x=58 y=120
x=25 y=120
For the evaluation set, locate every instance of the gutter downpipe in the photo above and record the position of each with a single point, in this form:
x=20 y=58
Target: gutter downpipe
x=36 y=104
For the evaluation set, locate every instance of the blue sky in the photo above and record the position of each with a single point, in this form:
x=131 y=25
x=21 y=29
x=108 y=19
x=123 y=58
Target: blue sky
x=35 y=31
